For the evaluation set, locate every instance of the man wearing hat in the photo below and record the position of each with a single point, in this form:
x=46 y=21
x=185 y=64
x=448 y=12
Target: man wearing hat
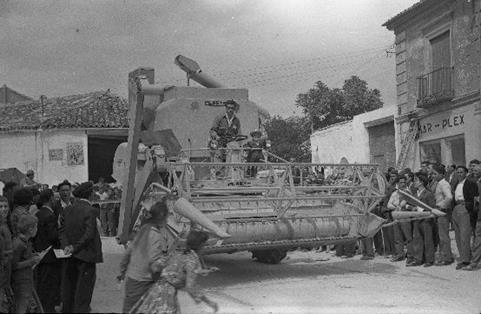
x=79 y=237
x=227 y=126
x=28 y=181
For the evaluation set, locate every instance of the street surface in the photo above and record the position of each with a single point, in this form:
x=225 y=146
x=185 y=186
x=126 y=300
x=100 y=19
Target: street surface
x=313 y=282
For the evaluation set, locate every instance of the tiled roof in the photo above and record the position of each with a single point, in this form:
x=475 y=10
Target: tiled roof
x=389 y=23
x=9 y=96
x=93 y=110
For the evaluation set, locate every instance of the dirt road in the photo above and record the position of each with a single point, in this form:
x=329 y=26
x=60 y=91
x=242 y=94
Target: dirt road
x=314 y=282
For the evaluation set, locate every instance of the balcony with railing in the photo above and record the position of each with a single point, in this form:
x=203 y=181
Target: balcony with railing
x=435 y=87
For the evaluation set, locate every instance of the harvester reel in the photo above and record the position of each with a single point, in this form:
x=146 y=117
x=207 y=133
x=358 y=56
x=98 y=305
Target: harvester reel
x=375 y=187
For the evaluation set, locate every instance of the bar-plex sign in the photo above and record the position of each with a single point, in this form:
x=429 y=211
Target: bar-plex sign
x=441 y=124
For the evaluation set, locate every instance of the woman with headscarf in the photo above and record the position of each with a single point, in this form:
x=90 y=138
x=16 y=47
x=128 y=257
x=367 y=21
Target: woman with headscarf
x=180 y=272
x=151 y=243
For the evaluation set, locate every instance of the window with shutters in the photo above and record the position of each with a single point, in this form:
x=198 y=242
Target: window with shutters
x=437 y=86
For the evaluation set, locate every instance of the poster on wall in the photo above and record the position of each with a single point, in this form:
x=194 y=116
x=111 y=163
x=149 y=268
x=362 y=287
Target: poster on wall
x=75 y=154
x=55 y=154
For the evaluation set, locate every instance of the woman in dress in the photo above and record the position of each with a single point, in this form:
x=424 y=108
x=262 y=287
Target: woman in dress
x=180 y=272
x=151 y=243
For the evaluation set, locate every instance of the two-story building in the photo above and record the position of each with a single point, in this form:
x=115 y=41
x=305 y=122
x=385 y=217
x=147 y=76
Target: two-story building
x=438 y=81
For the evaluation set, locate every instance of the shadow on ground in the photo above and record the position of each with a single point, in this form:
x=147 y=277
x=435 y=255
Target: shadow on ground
x=245 y=270
x=240 y=268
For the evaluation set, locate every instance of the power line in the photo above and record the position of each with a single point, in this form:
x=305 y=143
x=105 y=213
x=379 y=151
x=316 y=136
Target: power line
x=310 y=60
x=334 y=68
x=287 y=66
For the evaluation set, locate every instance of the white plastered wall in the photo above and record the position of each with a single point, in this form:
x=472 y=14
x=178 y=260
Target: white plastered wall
x=30 y=150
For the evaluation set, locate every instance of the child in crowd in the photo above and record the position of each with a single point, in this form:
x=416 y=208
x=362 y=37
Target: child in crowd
x=254 y=151
x=6 y=295
x=23 y=262
x=4 y=228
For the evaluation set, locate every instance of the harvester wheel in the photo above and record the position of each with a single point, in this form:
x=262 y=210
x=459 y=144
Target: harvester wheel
x=274 y=256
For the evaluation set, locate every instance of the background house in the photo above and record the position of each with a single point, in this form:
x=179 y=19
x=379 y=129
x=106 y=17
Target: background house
x=72 y=137
x=367 y=138
x=10 y=96
x=438 y=80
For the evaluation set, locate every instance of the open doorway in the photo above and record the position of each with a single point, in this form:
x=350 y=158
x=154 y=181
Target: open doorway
x=382 y=147
x=101 y=151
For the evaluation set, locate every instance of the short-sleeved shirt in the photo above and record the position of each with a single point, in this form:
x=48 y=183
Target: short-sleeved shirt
x=22 y=251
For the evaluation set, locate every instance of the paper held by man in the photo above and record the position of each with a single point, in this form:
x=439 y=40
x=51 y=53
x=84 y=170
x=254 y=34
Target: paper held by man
x=59 y=253
x=425 y=209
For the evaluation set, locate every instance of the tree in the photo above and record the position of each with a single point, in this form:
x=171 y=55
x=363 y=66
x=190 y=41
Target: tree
x=324 y=106
x=289 y=137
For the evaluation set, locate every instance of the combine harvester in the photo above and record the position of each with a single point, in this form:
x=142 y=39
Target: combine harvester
x=268 y=214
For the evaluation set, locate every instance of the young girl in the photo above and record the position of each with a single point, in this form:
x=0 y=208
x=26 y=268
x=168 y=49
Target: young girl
x=23 y=261
x=180 y=272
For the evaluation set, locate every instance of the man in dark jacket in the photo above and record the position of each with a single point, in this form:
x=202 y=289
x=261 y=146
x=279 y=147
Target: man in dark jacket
x=227 y=126
x=80 y=237
x=66 y=198
x=476 y=258
x=464 y=193
x=48 y=272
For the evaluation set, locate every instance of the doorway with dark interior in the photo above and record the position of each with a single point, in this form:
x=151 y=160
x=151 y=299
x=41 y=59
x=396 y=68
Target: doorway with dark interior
x=101 y=151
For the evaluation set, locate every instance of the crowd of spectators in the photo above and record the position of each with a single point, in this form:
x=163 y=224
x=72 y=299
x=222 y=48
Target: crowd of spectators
x=452 y=189
x=39 y=226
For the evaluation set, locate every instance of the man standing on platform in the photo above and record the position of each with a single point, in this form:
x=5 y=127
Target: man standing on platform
x=80 y=237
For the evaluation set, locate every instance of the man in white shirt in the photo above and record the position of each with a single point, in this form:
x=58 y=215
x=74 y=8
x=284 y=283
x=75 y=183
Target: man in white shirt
x=444 y=199
x=464 y=194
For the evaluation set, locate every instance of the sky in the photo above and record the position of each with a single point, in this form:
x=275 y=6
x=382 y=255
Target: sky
x=274 y=48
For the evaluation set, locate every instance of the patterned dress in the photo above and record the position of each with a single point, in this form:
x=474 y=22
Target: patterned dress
x=180 y=272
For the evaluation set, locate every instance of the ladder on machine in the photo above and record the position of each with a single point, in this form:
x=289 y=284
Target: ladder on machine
x=407 y=142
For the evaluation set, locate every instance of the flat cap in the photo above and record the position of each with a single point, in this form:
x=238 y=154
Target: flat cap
x=231 y=103
x=83 y=190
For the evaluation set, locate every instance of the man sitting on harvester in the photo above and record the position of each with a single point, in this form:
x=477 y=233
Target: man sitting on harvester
x=225 y=129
